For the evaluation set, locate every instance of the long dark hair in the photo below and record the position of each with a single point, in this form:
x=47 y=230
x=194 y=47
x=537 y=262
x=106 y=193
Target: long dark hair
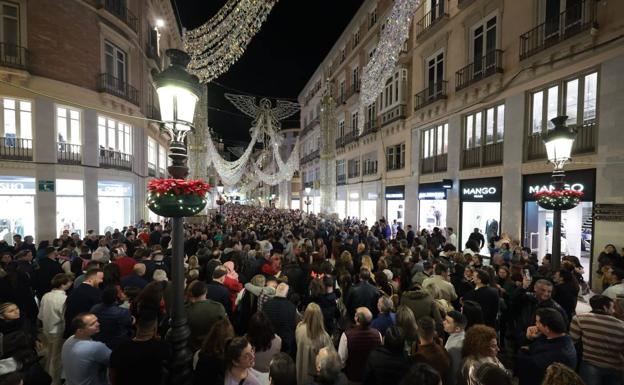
x=260 y=332
x=569 y=279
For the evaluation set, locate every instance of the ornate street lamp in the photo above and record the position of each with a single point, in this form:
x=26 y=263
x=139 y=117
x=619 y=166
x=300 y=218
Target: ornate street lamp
x=558 y=143
x=307 y=202
x=220 y=200
x=178 y=93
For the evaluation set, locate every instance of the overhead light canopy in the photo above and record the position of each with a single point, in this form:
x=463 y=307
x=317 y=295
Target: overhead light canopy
x=308 y=190
x=178 y=93
x=559 y=142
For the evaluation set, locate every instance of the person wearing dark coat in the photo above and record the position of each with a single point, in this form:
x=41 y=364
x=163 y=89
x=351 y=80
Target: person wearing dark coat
x=388 y=363
x=283 y=316
x=217 y=290
x=48 y=268
x=137 y=278
x=83 y=297
x=550 y=344
x=362 y=294
x=486 y=296
x=566 y=291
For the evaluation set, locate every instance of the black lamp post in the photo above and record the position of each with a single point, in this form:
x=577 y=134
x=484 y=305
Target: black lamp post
x=307 y=202
x=558 y=143
x=178 y=93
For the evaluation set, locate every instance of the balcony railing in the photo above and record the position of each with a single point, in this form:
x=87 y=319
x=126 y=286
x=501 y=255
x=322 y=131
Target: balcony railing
x=340 y=142
x=370 y=127
x=115 y=159
x=433 y=93
x=118 y=87
x=68 y=153
x=152 y=112
x=486 y=66
x=13 y=56
x=438 y=12
x=574 y=20
x=118 y=8
x=16 y=148
x=354 y=89
x=487 y=155
x=341 y=179
x=433 y=164
x=396 y=113
x=310 y=157
x=351 y=137
x=311 y=124
x=585 y=141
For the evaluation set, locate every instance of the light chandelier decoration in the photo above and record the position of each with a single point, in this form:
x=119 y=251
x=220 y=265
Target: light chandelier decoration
x=264 y=132
x=217 y=44
x=386 y=54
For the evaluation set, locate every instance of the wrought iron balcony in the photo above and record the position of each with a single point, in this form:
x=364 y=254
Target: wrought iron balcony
x=340 y=142
x=152 y=112
x=13 y=56
x=310 y=157
x=118 y=87
x=585 y=141
x=433 y=164
x=481 y=156
x=118 y=8
x=370 y=127
x=433 y=93
x=396 y=113
x=351 y=136
x=16 y=148
x=432 y=18
x=115 y=159
x=69 y=153
x=354 y=89
x=311 y=124
x=340 y=100
x=575 y=19
x=488 y=65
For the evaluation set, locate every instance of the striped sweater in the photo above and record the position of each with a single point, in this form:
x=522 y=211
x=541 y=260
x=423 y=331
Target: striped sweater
x=602 y=337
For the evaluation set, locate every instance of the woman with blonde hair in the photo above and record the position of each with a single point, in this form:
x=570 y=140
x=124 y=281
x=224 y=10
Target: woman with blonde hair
x=311 y=337
x=367 y=262
x=559 y=374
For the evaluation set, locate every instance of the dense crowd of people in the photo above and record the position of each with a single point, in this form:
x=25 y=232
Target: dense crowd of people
x=281 y=297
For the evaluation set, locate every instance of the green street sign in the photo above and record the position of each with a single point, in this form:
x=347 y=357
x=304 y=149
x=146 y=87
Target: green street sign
x=46 y=185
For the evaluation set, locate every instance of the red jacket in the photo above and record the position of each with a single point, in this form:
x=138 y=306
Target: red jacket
x=234 y=287
x=126 y=264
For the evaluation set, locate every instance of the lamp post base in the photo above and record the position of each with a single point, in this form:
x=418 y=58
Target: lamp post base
x=179 y=333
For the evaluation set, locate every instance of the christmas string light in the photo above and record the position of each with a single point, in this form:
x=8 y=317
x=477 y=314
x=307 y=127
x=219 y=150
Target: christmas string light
x=386 y=54
x=217 y=44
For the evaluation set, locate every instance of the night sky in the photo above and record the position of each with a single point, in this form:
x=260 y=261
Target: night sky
x=278 y=62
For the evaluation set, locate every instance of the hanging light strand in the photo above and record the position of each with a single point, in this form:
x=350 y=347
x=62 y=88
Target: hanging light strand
x=216 y=45
x=386 y=54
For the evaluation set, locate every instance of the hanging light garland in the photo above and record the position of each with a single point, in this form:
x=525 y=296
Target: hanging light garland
x=558 y=199
x=386 y=54
x=217 y=44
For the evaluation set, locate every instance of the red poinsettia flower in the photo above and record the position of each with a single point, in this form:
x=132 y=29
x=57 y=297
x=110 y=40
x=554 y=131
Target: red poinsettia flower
x=178 y=186
x=557 y=194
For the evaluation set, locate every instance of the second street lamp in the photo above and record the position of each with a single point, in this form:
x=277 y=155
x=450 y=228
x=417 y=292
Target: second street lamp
x=558 y=142
x=178 y=93
x=307 y=201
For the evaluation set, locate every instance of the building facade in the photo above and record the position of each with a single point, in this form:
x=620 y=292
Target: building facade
x=77 y=140
x=483 y=80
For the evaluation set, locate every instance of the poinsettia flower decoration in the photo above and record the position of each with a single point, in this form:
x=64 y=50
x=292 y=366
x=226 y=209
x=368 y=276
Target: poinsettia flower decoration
x=555 y=194
x=178 y=186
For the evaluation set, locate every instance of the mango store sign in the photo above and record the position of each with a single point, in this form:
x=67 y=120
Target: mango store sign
x=539 y=188
x=17 y=186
